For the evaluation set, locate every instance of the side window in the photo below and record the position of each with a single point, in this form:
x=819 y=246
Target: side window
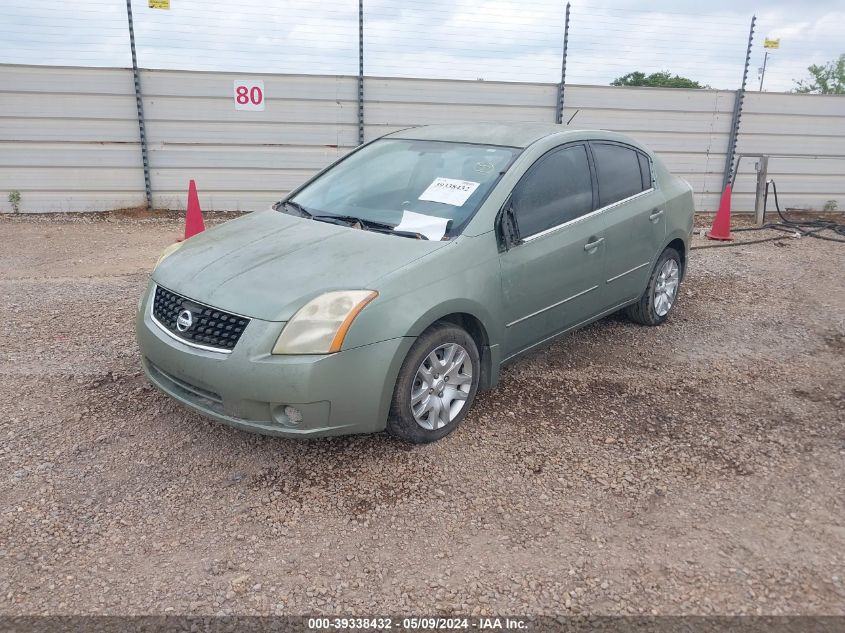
x=619 y=172
x=557 y=189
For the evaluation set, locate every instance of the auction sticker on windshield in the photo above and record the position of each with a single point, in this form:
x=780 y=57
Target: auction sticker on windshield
x=449 y=191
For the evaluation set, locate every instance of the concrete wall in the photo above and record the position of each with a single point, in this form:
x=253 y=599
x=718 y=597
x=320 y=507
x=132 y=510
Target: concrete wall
x=69 y=136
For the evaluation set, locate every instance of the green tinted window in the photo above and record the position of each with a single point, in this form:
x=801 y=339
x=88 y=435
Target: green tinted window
x=619 y=173
x=558 y=188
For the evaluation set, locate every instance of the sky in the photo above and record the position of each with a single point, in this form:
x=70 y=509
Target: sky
x=494 y=40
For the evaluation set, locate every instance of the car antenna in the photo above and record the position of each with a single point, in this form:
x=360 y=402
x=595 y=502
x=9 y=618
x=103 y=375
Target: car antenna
x=573 y=116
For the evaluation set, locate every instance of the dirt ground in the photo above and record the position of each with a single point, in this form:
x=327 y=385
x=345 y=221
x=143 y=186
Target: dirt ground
x=697 y=467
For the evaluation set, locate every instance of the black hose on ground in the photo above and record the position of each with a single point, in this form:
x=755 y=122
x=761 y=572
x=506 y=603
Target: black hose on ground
x=808 y=228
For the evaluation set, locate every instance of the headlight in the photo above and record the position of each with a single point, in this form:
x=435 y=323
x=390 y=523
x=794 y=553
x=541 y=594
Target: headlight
x=167 y=252
x=320 y=326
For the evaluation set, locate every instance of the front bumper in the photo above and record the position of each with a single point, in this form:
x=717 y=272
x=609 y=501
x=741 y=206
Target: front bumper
x=249 y=388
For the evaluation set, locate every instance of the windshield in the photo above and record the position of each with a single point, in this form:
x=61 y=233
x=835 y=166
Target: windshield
x=429 y=188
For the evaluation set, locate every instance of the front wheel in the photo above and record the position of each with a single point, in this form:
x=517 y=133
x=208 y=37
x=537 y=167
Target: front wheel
x=436 y=385
x=661 y=293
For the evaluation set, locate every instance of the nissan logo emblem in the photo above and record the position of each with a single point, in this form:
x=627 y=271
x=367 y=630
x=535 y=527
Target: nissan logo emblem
x=184 y=321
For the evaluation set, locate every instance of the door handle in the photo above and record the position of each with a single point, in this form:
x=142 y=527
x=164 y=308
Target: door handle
x=592 y=246
x=655 y=215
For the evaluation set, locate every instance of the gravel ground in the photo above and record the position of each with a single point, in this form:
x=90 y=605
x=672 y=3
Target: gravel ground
x=697 y=467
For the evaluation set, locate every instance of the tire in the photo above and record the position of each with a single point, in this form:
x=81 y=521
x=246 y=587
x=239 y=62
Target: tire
x=648 y=310
x=443 y=342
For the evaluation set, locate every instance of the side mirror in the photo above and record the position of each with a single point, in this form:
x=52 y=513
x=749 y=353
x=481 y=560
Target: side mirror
x=507 y=232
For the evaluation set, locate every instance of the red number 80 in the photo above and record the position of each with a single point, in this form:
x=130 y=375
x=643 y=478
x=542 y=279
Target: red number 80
x=244 y=95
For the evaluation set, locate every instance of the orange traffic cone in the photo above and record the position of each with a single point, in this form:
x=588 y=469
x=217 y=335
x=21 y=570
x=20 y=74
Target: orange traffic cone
x=721 y=229
x=193 y=217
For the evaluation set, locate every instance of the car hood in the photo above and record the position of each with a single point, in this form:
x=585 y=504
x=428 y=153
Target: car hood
x=266 y=265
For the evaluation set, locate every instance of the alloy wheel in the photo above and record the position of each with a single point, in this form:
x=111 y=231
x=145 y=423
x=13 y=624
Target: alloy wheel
x=441 y=386
x=666 y=287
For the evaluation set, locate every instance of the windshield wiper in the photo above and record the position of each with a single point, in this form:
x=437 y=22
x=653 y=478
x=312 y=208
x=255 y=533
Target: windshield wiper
x=368 y=225
x=302 y=211
x=392 y=231
x=353 y=221
x=344 y=220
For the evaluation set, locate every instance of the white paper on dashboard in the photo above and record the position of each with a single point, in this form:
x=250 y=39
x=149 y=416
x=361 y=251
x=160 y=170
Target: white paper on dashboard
x=432 y=227
x=449 y=191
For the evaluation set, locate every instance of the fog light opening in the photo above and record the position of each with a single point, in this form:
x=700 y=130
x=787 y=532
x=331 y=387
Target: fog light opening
x=293 y=415
x=286 y=415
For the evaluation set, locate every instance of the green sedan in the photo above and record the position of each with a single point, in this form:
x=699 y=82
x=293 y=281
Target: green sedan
x=389 y=289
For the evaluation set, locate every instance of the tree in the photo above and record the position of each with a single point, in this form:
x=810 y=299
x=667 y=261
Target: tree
x=663 y=79
x=827 y=79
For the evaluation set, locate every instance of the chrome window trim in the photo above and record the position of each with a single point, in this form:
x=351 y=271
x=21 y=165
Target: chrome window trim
x=554 y=305
x=620 y=275
x=181 y=340
x=613 y=205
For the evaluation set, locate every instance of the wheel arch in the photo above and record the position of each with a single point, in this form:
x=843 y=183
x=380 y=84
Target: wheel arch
x=478 y=323
x=679 y=244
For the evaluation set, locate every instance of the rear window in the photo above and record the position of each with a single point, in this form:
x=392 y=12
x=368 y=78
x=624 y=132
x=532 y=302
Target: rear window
x=619 y=172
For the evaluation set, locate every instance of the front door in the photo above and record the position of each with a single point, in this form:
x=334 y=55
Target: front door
x=552 y=277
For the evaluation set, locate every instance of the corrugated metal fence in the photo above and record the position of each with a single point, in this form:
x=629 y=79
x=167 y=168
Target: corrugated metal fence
x=69 y=136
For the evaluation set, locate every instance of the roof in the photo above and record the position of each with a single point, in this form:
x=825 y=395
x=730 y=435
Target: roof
x=509 y=134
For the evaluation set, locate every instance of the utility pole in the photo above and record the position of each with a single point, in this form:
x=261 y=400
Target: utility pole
x=763 y=70
x=767 y=44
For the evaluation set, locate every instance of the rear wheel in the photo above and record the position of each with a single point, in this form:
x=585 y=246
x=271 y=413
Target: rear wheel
x=436 y=385
x=661 y=294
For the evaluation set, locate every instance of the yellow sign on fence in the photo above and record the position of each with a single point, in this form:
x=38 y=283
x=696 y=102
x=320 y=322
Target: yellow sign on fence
x=767 y=43
x=160 y=4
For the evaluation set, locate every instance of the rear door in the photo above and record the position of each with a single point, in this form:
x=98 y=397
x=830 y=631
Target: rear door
x=635 y=216
x=552 y=277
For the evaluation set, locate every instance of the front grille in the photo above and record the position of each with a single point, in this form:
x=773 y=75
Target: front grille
x=209 y=326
